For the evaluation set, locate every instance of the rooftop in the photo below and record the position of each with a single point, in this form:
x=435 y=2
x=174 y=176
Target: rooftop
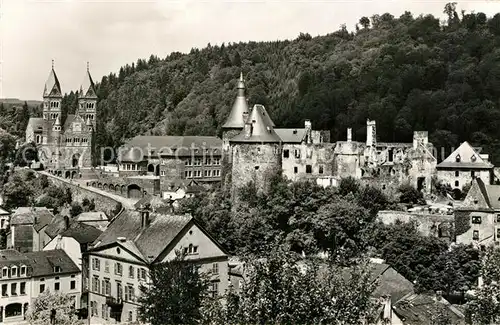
x=259 y=128
x=26 y=215
x=46 y=263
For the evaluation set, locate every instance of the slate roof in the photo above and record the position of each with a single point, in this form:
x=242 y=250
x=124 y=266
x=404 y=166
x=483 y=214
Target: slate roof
x=26 y=215
x=55 y=227
x=262 y=128
x=87 y=89
x=169 y=146
x=38 y=123
x=52 y=86
x=82 y=233
x=490 y=195
x=466 y=152
x=43 y=262
x=236 y=119
x=291 y=135
x=149 y=241
x=421 y=310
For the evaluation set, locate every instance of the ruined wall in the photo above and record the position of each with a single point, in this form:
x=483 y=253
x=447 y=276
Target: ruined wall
x=464 y=177
x=347 y=159
x=319 y=158
x=254 y=162
x=428 y=224
x=422 y=169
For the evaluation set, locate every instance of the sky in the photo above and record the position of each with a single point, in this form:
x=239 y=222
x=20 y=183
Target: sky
x=111 y=33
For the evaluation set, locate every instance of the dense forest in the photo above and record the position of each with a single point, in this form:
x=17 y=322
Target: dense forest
x=409 y=73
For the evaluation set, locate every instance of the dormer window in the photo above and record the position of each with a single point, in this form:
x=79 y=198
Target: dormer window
x=458 y=158
x=23 y=270
x=5 y=272
x=13 y=271
x=57 y=269
x=473 y=158
x=476 y=220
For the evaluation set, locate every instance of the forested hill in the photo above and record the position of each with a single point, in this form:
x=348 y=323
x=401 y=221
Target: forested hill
x=407 y=73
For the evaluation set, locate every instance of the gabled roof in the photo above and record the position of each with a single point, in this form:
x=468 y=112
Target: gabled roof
x=44 y=262
x=151 y=240
x=38 y=123
x=482 y=196
x=465 y=156
x=26 y=215
x=3 y=212
x=262 y=130
x=92 y=216
x=291 y=135
x=87 y=89
x=236 y=118
x=52 y=87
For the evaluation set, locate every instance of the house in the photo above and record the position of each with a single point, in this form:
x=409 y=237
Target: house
x=462 y=166
x=4 y=219
x=27 y=226
x=25 y=275
x=122 y=255
x=477 y=219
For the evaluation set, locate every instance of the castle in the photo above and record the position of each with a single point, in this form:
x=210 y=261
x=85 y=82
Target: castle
x=65 y=144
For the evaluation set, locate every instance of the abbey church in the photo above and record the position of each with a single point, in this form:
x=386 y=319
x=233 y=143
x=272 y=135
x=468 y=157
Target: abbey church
x=65 y=146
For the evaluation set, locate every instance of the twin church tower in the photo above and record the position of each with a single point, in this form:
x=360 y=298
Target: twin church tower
x=66 y=143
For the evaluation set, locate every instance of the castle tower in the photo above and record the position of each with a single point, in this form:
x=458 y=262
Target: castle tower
x=256 y=152
x=87 y=99
x=237 y=117
x=52 y=98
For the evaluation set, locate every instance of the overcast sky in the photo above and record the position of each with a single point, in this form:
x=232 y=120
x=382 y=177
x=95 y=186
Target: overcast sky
x=112 y=33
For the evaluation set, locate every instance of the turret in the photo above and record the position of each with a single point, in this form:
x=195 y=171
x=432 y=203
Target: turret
x=238 y=116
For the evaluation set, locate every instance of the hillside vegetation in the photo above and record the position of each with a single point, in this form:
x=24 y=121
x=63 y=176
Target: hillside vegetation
x=408 y=73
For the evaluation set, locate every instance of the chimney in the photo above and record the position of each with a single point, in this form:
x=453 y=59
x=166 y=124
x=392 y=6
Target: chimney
x=371 y=133
x=145 y=217
x=307 y=124
x=66 y=222
x=420 y=137
x=248 y=130
x=349 y=135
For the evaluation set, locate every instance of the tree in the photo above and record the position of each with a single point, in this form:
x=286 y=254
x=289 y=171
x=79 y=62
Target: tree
x=174 y=293
x=75 y=209
x=410 y=195
x=348 y=185
x=17 y=192
x=282 y=288
x=40 y=310
x=365 y=22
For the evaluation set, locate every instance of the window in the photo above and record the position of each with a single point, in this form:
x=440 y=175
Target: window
x=5 y=272
x=4 y=290
x=457 y=158
x=320 y=169
x=457 y=183
x=95 y=284
x=256 y=167
x=57 y=269
x=13 y=289
x=96 y=264
x=498 y=217
x=13 y=271
x=23 y=270
x=215 y=268
x=130 y=316
x=472 y=174
x=57 y=286
x=104 y=311
x=214 y=290
x=119 y=290
x=208 y=161
x=217 y=161
x=197 y=162
x=72 y=284
x=22 y=289
x=457 y=173
x=476 y=220
x=131 y=272
x=475 y=235
x=143 y=274
x=216 y=173
x=498 y=233
x=308 y=169
x=42 y=288
x=188 y=162
x=208 y=173
x=129 y=292
x=297 y=153
x=187 y=174
x=295 y=170
x=286 y=153
x=162 y=173
x=106 y=266
x=118 y=268
x=107 y=290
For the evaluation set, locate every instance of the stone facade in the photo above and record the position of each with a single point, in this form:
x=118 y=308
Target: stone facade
x=65 y=146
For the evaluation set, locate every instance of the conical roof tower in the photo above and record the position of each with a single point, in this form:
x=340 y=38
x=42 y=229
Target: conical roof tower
x=52 y=86
x=239 y=112
x=87 y=89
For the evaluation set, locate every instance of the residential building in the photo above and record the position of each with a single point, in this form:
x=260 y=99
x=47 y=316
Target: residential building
x=477 y=219
x=132 y=243
x=462 y=166
x=25 y=275
x=65 y=146
x=27 y=228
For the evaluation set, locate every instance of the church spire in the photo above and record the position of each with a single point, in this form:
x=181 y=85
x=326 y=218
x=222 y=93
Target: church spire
x=52 y=87
x=87 y=89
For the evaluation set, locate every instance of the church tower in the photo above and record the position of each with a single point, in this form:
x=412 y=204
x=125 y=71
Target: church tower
x=87 y=99
x=237 y=117
x=52 y=99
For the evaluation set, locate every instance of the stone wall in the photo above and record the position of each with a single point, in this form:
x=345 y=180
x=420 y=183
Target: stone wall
x=102 y=202
x=428 y=224
x=463 y=177
x=297 y=158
